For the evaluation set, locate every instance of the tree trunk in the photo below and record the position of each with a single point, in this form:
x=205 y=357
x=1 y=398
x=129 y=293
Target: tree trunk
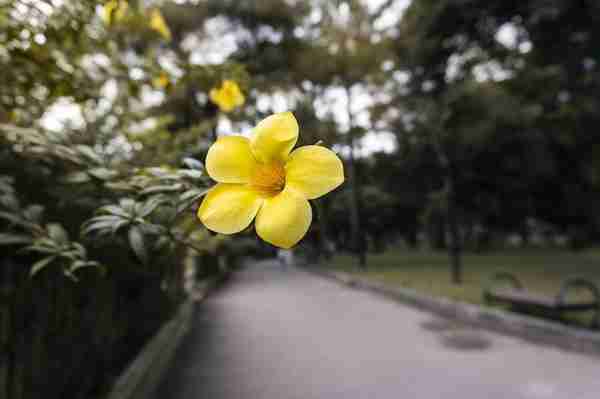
x=436 y=230
x=324 y=251
x=355 y=225
x=455 y=246
x=411 y=236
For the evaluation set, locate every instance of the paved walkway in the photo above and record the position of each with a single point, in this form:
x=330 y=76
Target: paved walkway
x=286 y=334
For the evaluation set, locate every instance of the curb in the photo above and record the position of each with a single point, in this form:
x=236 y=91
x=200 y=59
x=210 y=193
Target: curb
x=142 y=376
x=531 y=329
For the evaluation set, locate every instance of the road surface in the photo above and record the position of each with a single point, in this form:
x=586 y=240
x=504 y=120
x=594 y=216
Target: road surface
x=286 y=334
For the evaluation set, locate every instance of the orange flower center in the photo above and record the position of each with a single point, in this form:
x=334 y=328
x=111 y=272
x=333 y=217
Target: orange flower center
x=268 y=179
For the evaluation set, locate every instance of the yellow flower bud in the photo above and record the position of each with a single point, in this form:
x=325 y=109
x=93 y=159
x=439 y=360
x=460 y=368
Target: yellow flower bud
x=114 y=11
x=161 y=81
x=158 y=24
x=228 y=96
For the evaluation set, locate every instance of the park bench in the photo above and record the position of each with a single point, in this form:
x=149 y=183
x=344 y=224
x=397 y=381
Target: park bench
x=504 y=288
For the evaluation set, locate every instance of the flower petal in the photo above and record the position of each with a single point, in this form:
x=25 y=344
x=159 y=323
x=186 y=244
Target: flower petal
x=274 y=137
x=284 y=219
x=215 y=97
x=314 y=171
x=157 y=22
x=229 y=208
x=114 y=11
x=228 y=96
x=230 y=160
x=222 y=100
x=233 y=90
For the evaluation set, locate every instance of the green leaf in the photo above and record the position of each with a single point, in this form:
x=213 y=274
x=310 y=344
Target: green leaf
x=81 y=264
x=57 y=233
x=106 y=218
x=10 y=201
x=17 y=219
x=193 y=163
x=45 y=242
x=34 y=213
x=40 y=264
x=89 y=153
x=72 y=255
x=11 y=239
x=150 y=205
x=136 y=241
x=162 y=189
x=192 y=174
x=76 y=177
x=162 y=243
x=172 y=176
x=108 y=225
x=115 y=210
x=118 y=225
x=103 y=173
x=157 y=172
x=190 y=198
x=11 y=217
x=81 y=251
x=128 y=206
x=151 y=228
x=119 y=186
x=41 y=249
x=193 y=194
x=6 y=184
x=68 y=274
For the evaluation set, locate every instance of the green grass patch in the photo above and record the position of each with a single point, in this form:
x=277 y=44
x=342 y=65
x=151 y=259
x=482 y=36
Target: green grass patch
x=539 y=270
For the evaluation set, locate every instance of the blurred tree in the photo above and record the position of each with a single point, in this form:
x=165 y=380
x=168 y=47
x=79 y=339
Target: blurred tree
x=346 y=40
x=504 y=93
x=454 y=113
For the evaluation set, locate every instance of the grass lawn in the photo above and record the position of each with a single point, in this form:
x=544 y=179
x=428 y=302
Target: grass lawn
x=540 y=270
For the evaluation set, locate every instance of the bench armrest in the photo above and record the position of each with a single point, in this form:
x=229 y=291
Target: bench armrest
x=498 y=278
x=577 y=282
x=580 y=282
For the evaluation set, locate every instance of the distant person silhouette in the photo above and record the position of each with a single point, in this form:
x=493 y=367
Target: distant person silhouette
x=285 y=258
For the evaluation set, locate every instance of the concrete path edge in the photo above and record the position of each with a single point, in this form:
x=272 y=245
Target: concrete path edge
x=531 y=329
x=142 y=376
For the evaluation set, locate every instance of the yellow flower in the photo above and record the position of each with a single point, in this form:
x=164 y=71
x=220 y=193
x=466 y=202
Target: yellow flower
x=114 y=11
x=157 y=23
x=262 y=177
x=228 y=96
x=161 y=81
